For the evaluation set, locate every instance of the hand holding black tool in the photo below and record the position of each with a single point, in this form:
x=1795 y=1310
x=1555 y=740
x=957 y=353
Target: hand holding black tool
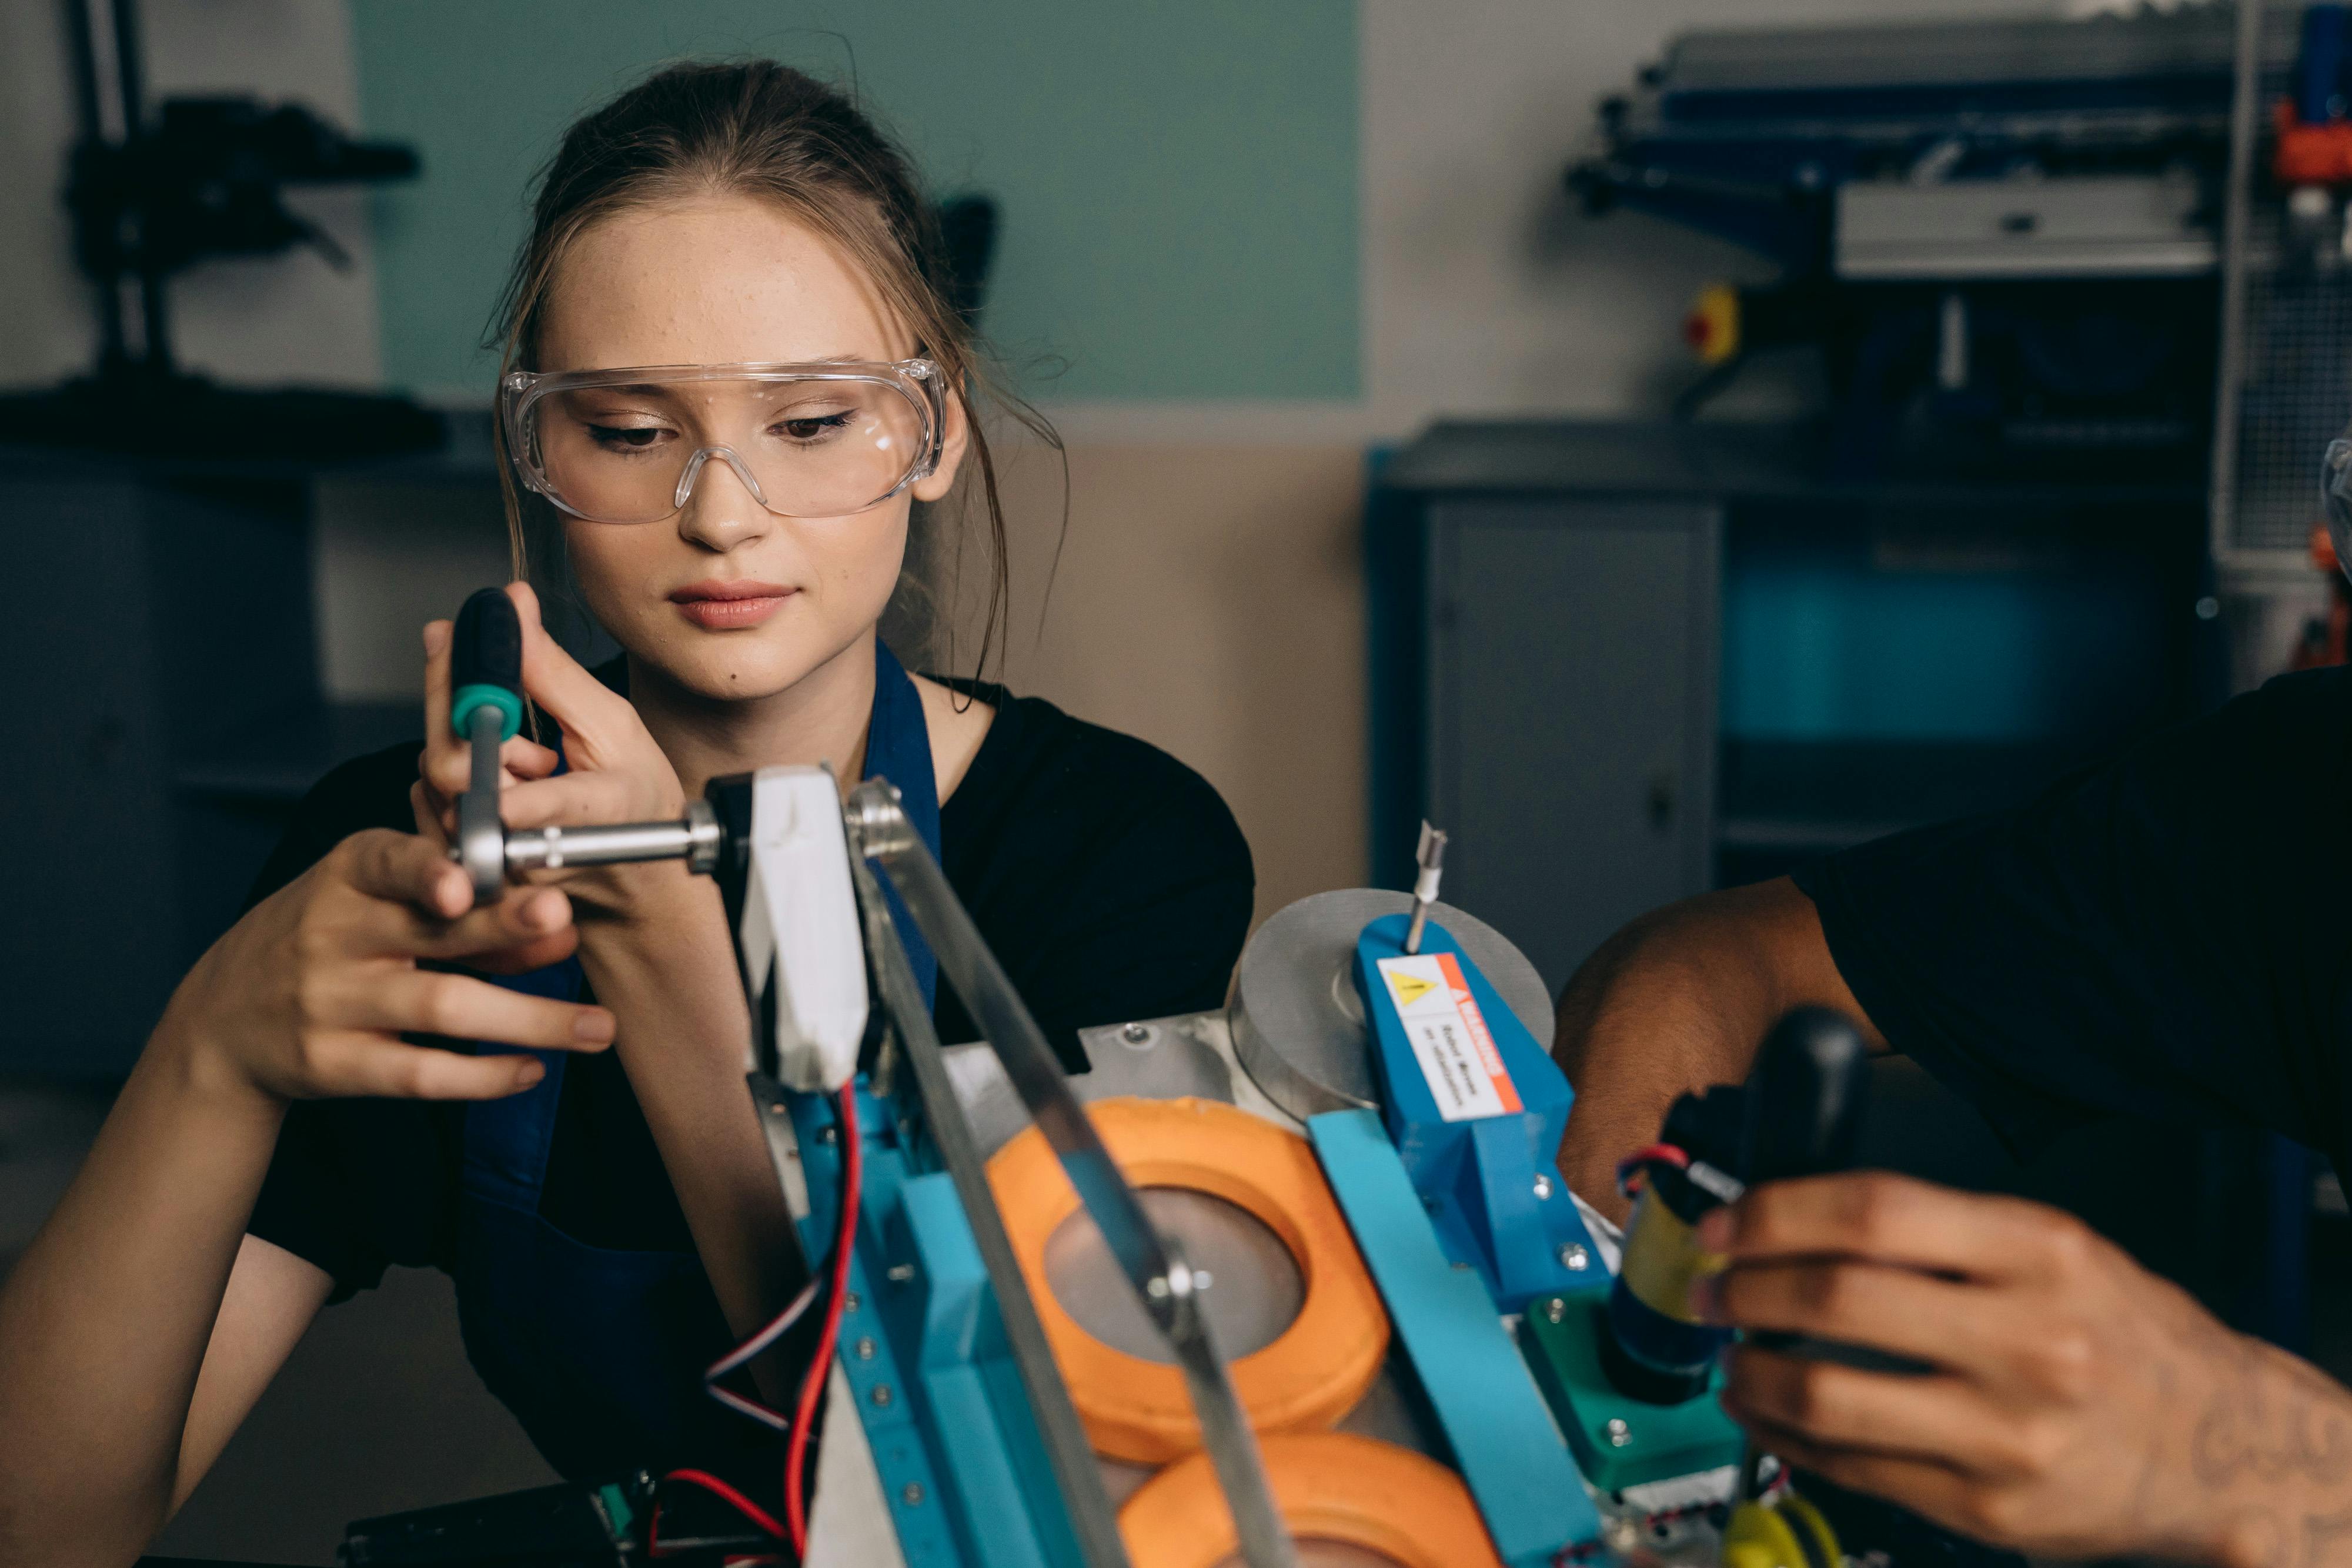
x=486 y=710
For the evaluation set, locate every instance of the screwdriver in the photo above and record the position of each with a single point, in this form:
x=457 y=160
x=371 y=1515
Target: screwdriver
x=485 y=709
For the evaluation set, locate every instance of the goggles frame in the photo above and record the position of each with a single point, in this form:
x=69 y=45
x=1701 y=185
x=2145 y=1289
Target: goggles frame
x=918 y=381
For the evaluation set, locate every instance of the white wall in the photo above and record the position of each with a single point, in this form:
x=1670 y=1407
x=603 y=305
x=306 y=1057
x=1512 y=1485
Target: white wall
x=277 y=318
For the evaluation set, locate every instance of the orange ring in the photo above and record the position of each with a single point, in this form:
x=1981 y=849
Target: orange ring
x=1312 y=1374
x=1332 y=1486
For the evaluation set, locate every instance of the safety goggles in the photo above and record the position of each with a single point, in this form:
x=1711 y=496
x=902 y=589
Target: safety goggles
x=819 y=440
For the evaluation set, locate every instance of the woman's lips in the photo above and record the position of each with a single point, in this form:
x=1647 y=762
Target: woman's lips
x=730 y=606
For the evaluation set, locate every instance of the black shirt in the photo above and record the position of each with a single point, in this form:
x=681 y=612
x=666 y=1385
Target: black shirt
x=2165 y=936
x=1108 y=878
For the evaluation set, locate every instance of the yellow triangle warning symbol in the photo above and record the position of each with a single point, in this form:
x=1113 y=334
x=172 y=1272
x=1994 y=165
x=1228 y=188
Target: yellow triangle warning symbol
x=1409 y=988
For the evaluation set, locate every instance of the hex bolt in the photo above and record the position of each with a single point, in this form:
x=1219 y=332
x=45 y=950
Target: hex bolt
x=1619 y=1433
x=866 y=1348
x=881 y=1398
x=912 y=1492
x=1543 y=1187
x=1555 y=1309
x=1574 y=1257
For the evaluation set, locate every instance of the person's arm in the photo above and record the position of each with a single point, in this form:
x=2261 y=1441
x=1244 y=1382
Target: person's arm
x=111 y=1403
x=2076 y=1406
x=656 y=949
x=1678 y=1000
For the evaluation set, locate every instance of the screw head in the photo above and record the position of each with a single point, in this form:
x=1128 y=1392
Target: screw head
x=828 y=1134
x=1202 y=1280
x=1135 y=1034
x=866 y=1348
x=899 y=1273
x=1618 y=1433
x=1555 y=1309
x=912 y=1492
x=881 y=1398
x=849 y=1301
x=1543 y=1187
x=1574 y=1257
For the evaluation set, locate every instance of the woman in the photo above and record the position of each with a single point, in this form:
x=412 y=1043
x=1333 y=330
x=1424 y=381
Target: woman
x=608 y=1214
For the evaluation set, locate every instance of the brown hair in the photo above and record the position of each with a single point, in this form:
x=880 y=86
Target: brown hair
x=760 y=128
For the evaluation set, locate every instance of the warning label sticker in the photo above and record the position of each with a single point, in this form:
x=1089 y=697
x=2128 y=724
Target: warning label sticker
x=1449 y=1037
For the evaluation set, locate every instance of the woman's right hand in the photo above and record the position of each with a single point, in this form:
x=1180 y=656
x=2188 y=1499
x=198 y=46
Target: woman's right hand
x=309 y=995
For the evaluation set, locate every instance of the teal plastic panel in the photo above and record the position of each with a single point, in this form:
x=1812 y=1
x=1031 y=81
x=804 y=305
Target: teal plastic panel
x=1504 y=1440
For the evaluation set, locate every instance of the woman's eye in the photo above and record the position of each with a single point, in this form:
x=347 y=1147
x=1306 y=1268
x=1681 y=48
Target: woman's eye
x=626 y=437
x=812 y=427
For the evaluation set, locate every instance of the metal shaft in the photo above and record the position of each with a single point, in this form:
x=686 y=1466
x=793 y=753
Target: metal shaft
x=1068 y=1452
x=1168 y=1287
x=694 y=839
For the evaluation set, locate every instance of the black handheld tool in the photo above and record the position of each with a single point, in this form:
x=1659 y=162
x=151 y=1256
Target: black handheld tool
x=486 y=710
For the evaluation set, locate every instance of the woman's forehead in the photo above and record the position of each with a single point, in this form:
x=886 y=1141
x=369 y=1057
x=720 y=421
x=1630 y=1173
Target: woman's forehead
x=710 y=280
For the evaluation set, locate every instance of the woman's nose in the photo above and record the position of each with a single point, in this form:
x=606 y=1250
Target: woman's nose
x=720 y=503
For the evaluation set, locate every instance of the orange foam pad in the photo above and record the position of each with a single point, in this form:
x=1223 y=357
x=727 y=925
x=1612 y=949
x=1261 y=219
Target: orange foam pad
x=1311 y=1375
x=1330 y=1486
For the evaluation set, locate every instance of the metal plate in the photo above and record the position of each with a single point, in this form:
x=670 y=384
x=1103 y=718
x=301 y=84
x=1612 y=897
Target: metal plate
x=1298 y=1023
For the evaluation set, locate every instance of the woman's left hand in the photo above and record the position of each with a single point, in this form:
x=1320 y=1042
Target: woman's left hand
x=616 y=773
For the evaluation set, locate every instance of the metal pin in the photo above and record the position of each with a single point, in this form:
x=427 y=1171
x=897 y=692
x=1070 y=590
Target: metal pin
x=866 y=1348
x=1618 y=1432
x=881 y=1397
x=1431 y=857
x=1555 y=1309
x=1543 y=1187
x=1574 y=1259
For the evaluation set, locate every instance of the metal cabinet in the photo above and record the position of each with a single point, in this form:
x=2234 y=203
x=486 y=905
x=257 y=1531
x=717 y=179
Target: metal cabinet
x=1569 y=703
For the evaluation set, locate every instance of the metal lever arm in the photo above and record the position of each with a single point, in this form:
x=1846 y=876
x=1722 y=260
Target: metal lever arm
x=1170 y=1290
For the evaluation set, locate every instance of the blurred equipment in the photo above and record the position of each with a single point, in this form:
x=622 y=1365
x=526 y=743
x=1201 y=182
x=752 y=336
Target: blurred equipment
x=153 y=194
x=2002 y=235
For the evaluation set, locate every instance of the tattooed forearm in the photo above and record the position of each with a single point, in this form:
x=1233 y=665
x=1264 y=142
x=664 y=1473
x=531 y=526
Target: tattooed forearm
x=2273 y=1419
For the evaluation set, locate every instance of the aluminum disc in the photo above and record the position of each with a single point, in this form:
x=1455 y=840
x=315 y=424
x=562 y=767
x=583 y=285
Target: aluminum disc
x=1298 y=1023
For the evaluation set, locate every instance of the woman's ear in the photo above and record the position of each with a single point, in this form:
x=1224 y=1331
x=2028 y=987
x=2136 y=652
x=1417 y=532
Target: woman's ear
x=934 y=485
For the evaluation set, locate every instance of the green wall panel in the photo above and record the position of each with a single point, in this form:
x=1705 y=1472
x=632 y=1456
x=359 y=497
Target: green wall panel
x=1177 y=181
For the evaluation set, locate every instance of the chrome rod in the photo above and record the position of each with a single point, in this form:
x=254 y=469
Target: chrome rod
x=1171 y=1291
x=1068 y=1452
x=694 y=839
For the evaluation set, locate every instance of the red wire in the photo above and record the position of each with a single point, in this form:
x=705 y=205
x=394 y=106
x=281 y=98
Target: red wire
x=728 y=1494
x=820 y=1367
x=1633 y=1164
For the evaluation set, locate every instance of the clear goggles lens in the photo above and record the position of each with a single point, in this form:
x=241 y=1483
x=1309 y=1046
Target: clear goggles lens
x=807 y=441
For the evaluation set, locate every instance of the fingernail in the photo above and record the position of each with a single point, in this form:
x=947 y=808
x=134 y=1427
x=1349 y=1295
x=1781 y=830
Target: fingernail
x=437 y=638
x=1715 y=1229
x=530 y=1072
x=593 y=1027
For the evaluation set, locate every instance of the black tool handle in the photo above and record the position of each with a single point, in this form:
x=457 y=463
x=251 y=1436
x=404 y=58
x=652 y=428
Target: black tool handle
x=486 y=661
x=1806 y=1098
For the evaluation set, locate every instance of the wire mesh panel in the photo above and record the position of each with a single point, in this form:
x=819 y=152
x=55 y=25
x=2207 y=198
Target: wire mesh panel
x=2296 y=393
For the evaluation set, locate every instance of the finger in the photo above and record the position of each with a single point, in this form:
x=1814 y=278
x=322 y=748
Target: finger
x=431 y=813
x=459 y=1006
x=406 y=869
x=572 y=800
x=1899 y=1311
x=395 y=1069
x=557 y=682
x=1922 y=1485
x=520 y=918
x=537 y=955
x=526 y=758
x=442 y=746
x=1884 y=1218
x=1942 y=1419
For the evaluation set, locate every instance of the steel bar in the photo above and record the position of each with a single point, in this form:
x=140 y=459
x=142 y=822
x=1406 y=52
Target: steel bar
x=1071 y=1456
x=1169 y=1289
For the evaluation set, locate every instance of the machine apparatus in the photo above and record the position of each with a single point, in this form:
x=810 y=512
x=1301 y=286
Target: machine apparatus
x=2002 y=234
x=1375 y=1095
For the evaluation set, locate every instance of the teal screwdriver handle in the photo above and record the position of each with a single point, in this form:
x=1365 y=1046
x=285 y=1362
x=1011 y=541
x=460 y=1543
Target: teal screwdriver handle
x=486 y=664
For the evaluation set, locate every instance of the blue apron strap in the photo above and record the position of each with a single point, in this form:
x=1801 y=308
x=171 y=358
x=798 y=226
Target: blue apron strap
x=898 y=748
x=507 y=1140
